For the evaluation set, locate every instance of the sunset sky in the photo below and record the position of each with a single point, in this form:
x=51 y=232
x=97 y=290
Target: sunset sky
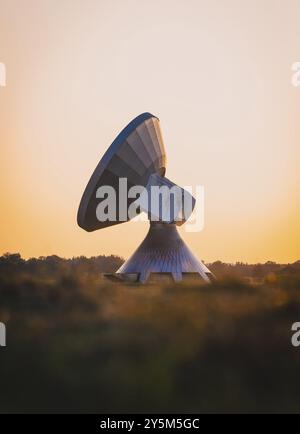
x=216 y=73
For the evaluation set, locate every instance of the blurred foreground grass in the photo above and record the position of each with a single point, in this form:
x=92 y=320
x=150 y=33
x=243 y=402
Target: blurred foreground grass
x=76 y=343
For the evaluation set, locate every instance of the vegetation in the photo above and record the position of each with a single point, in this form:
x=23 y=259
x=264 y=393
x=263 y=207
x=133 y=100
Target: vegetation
x=79 y=343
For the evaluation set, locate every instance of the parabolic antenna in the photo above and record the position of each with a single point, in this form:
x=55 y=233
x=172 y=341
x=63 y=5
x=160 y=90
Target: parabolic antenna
x=138 y=156
x=136 y=153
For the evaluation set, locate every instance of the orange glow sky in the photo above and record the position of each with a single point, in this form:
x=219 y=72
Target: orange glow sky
x=216 y=73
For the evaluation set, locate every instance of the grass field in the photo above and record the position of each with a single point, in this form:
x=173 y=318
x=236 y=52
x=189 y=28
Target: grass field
x=77 y=343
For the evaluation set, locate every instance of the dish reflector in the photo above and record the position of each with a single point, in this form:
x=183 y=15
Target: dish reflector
x=136 y=153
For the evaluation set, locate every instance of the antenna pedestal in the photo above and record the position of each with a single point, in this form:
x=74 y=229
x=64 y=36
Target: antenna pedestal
x=163 y=251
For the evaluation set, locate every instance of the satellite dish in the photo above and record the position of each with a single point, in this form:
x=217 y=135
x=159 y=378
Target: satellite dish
x=138 y=156
x=136 y=153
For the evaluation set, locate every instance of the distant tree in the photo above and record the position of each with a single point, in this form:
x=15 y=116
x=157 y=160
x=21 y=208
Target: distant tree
x=11 y=258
